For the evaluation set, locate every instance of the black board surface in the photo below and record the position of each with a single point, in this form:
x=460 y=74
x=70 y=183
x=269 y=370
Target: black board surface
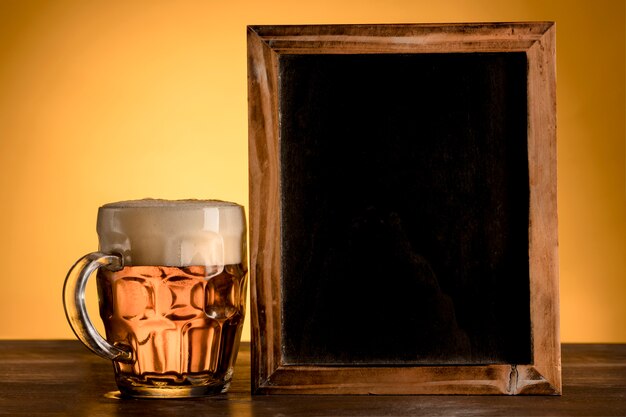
x=405 y=209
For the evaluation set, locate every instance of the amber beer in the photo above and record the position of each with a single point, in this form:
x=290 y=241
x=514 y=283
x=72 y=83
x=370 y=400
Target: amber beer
x=175 y=304
x=184 y=324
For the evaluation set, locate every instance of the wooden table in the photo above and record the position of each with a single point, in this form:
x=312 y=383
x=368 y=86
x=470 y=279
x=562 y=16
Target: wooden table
x=62 y=378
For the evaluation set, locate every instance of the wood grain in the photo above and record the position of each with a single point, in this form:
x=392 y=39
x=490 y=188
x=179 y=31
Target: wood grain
x=543 y=251
x=359 y=39
x=270 y=374
x=62 y=378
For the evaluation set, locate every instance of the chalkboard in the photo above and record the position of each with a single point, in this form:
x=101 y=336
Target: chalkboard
x=403 y=209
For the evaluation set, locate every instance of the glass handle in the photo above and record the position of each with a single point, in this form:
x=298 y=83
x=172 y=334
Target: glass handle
x=76 y=311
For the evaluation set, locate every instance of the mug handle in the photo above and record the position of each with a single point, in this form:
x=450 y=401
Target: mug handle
x=76 y=311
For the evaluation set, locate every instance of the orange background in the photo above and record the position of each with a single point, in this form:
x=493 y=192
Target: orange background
x=111 y=100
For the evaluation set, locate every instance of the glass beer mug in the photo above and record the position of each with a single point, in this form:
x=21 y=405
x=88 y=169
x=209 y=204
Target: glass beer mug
x=171 y=279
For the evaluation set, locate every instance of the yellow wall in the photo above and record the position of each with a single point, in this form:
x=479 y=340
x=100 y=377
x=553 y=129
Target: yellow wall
x=109 y=100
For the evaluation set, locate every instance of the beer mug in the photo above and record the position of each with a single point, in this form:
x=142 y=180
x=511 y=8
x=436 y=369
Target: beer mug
x=171 y=279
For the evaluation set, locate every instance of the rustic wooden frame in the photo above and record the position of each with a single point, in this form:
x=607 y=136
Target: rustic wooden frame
x=269 y=373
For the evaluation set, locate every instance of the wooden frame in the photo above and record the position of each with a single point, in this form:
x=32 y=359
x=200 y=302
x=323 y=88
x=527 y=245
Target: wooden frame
x=271 y=374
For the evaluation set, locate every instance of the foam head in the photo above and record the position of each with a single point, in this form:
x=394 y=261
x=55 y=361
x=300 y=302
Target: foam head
x=173 y=233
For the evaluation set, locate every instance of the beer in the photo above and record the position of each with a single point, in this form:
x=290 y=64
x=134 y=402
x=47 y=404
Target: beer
x=172 y=288
x=182 y=323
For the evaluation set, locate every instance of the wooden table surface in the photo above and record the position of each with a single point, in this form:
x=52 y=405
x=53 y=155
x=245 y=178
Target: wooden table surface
x=62 y=378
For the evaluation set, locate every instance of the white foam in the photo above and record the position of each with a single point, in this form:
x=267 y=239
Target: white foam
x=173 y=233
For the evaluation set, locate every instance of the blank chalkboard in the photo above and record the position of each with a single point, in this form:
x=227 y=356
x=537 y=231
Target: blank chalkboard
x=403 y=231
x=405 y=204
